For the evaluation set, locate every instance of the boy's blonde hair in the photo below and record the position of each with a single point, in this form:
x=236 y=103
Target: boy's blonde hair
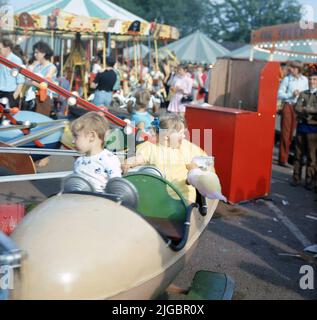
x=91 y=121
x=142 y=99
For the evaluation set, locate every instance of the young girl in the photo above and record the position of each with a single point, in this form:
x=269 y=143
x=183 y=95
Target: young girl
x=140 y=116
x=97 y=164
x=181 y=87
x=172 y=154
x=43 y=54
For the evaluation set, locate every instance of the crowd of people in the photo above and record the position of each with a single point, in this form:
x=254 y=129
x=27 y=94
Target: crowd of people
x=164 y=80
x=298 y=95
x=173 y=84
x=176 y=85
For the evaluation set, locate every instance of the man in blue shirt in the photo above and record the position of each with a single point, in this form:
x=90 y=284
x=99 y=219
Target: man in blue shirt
x=289 y=90
x=10 y=87
x=306 y=135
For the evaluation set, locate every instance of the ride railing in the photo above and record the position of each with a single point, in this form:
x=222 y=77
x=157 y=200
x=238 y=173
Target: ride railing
x=17 y=69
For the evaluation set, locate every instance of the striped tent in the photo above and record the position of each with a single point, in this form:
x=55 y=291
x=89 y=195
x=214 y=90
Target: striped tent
x=102 y=9
x=195 y=48
x=131 y=52
x=305 y=48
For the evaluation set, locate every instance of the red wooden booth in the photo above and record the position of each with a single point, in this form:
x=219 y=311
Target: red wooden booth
x=243 y=99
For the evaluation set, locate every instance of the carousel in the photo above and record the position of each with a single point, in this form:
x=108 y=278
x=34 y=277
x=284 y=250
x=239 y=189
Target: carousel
x=80 y=31
x=79 y=244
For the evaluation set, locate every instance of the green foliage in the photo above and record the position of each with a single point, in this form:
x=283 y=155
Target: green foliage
x=229 y=20
x=186 y=15
x=233 y=20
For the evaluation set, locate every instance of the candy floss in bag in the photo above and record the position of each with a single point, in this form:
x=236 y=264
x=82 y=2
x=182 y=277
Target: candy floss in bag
x=207 y=183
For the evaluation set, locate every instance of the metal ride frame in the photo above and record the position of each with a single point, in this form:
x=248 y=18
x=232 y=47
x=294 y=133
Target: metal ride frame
x=66 y=94
x=9 y=148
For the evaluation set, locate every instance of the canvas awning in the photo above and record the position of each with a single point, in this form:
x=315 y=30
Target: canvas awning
x=88 y=16
x=292 y=41
x=195 y=48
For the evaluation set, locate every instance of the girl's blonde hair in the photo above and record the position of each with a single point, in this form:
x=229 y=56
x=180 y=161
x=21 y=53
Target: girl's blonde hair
x=172 y=121
x=91 y=121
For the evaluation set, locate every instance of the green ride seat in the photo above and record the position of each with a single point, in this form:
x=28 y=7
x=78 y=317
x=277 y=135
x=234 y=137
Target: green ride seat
x=160 y=203
x=208 y=285
x=158 y=198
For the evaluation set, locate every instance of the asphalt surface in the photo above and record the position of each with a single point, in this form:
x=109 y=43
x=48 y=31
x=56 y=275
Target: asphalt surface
x=255 y=243
x=256 y=247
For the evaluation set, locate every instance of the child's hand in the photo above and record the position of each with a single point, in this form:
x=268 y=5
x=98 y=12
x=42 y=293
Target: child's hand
x=191 y=166
x=128 y=164
x=125 y=167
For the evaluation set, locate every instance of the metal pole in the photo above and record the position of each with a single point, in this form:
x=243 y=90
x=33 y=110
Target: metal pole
x=62 y=57
x=104 y=50
x=48 y=152
x=34 y=136
x=61 y=91
x=140 y=57
x=135 y=59
x=109 y=45
x=52 y=40
x=251 y=53
x=91 y=48
x=156 y=54
x=39 y=151
x=149 y=46
x=33 y=125
x=36 y=176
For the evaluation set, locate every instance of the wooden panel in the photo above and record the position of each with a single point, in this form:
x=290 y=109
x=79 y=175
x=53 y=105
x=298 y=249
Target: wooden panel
x=15 y=163
x=218 y=83
x=235 y=83
x=243 y=84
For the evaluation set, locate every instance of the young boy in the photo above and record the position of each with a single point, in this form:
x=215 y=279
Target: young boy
x=97 y=165
x=139 y=114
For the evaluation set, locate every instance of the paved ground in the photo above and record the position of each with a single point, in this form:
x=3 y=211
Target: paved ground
x=247 y=241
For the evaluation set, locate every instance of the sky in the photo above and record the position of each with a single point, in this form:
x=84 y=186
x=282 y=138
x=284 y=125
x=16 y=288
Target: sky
x=17 y=4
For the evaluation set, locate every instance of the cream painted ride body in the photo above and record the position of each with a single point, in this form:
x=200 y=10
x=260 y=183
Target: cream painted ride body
x=89 y=247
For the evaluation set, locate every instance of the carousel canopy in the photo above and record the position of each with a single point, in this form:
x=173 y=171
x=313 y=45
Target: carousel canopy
x=86 y=16
x=195 y=48
x=101 y=9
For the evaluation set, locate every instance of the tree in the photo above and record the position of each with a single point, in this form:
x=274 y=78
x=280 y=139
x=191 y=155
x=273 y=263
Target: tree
x=187 y=15
x=222 y=20
x=233 y=20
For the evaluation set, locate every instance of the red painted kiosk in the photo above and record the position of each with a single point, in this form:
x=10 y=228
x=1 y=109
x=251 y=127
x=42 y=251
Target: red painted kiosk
x=241 y=115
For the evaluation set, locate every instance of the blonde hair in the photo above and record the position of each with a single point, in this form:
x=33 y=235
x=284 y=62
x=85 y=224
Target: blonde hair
x=172 y=122
x=142 y=99
x=91 y=121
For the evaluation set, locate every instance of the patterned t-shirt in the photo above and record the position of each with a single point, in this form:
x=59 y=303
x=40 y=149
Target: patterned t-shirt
x=99 y=168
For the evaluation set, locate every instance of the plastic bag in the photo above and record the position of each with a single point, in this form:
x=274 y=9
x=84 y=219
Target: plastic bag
x=207 y=183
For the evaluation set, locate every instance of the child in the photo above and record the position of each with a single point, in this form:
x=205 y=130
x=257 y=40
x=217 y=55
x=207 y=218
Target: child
x=97 y=165
x=172 y=154
x=140 y=117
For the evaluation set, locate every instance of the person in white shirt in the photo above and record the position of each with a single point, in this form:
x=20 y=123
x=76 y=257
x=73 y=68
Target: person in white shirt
x=96 y=67
x=97 y=165
x=290 y=88
x=10 y=86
